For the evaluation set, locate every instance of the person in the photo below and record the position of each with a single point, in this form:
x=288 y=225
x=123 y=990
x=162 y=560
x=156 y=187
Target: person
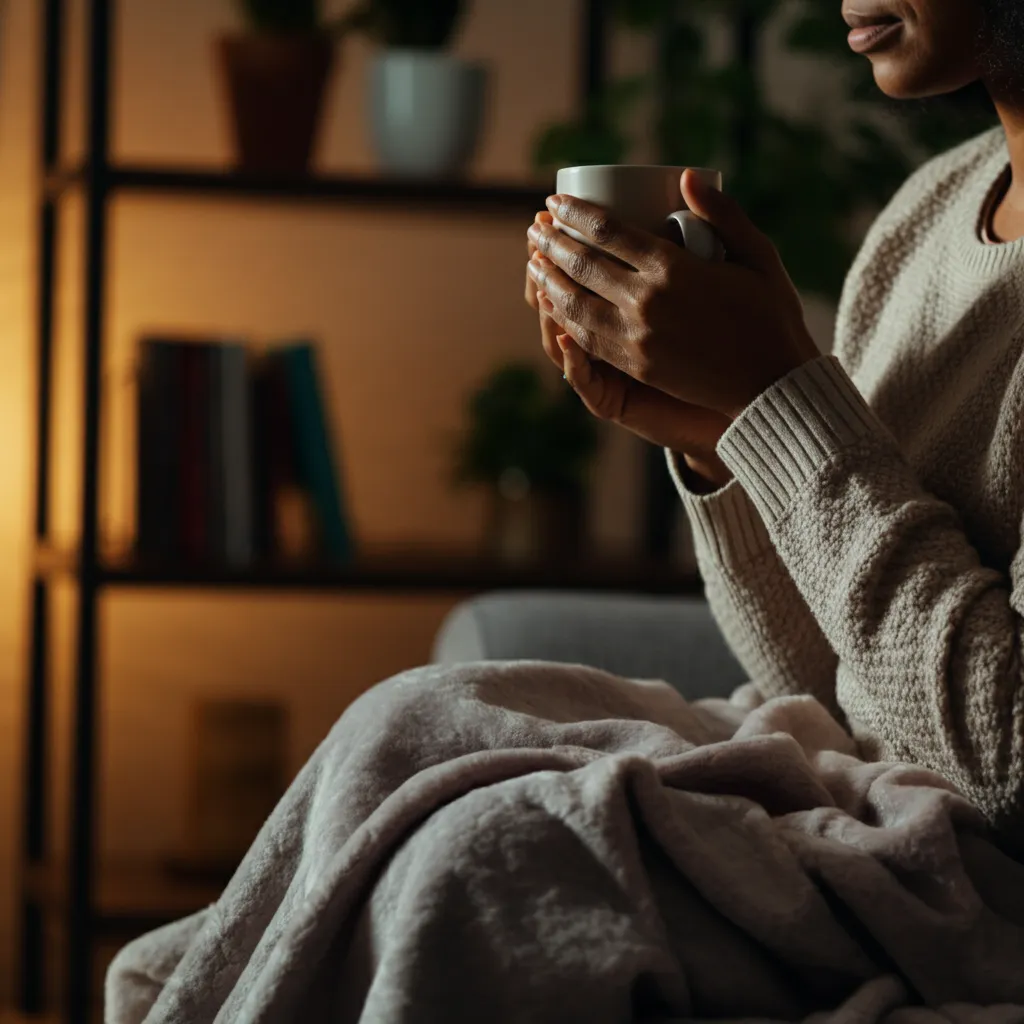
x=857 y=517
x=525 y=841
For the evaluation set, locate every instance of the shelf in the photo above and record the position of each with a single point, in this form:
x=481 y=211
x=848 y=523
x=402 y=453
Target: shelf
x=129 y=897
x=392 y=568
x=513 y=199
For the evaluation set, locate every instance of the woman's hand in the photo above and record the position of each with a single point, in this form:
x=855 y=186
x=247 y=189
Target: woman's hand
x=612 y=395
x=713 y=335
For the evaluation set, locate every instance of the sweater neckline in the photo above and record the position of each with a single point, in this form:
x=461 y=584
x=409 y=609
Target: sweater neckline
x=988 y=234
x=977 y=256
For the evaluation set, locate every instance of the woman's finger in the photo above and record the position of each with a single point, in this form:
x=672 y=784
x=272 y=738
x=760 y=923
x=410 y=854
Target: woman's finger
x=549 y=331
x=587 y=266
x=638 y=248
x=542 y=217
x=612 y=395
x=587 y=379
x=574 y=302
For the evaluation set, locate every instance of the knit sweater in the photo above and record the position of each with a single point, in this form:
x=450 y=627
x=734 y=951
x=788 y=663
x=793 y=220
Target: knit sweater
x=868 y=550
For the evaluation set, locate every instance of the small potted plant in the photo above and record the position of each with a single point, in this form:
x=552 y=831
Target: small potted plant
x=426 y=105
x=532 y=451
x=275 y=74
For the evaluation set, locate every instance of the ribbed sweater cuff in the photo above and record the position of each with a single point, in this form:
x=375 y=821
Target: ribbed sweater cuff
x=792 y=429
x=726 y=526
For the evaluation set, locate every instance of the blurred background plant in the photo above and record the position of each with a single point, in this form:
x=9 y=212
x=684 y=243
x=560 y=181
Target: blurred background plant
x=418 y=24
x=515 y=424
x=804 y=181
x=282 y=17
x=532 y=450
x=415 y=24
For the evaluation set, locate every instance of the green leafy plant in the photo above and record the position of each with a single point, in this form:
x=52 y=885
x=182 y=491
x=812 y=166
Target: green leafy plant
x=421 y=24
x=804 y=181
x=515 y=423
x=417 y=24
x=282 y=17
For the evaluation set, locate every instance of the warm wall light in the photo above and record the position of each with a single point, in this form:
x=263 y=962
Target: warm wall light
x=17 y=168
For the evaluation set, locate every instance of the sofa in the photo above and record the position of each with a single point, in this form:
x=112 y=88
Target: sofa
x=670 y=638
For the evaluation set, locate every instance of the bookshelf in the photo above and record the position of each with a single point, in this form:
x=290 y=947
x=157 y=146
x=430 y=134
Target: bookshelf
x=398 y=567
x=517 y=200
x=93 y=900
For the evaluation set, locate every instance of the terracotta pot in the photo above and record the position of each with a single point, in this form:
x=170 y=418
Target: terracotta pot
x=275 y=87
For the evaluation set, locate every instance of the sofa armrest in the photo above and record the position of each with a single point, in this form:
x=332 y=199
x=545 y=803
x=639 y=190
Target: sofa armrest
x=674 y=638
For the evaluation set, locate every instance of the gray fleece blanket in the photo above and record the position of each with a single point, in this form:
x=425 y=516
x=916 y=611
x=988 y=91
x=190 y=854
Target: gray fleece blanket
x=528 y=842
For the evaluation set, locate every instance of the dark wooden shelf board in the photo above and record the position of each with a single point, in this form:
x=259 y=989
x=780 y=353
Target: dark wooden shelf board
x=353 y=189
x=392 y=569
x=130 y=897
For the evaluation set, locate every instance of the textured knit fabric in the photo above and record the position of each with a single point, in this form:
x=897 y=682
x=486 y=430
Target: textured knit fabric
x=868 y=550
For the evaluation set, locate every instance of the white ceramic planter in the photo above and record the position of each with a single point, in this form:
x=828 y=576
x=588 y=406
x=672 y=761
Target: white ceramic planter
x=426 y=111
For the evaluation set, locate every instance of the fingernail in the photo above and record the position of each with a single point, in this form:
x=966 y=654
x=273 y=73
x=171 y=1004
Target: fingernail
x=563 y=342
x=553 y=202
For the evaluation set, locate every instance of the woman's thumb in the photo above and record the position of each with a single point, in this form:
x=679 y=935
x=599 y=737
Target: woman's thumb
x=743 y=241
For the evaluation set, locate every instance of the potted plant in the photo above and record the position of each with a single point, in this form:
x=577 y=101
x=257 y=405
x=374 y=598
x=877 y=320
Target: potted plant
x=425 y=105
x=532 y=451
x=275 y=74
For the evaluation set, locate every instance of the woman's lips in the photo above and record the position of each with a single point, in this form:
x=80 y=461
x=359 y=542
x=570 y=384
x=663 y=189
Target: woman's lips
x=872 y=37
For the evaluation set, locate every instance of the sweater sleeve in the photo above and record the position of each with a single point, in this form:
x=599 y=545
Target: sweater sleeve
x=928 y=637
x=752 y=597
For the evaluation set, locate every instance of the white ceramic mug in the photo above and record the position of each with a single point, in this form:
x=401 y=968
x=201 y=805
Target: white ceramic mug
x=646 y=196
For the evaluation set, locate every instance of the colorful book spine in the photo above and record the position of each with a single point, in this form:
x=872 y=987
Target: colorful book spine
x=235 y=461
x=236 y=448
x=314 y=448
x=261 y=478
x=158 y=451
x=193 y=503
x=279 y=454
x=216 y=460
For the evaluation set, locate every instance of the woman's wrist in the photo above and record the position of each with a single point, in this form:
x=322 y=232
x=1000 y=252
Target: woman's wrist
x=704 y=476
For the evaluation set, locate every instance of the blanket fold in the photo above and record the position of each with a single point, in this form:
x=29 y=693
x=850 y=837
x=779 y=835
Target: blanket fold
x=531 y=842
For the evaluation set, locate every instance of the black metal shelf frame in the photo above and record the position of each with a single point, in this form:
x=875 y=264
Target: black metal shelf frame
x=98 y=179
x=184 y=182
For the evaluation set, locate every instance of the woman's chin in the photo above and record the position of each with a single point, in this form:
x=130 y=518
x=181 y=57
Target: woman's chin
x=902 y=78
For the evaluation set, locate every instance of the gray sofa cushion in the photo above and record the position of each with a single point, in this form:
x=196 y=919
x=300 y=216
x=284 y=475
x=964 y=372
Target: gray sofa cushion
x=670 y=638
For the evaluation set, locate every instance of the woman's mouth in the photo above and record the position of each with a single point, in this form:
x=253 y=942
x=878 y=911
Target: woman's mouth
x=875 y=37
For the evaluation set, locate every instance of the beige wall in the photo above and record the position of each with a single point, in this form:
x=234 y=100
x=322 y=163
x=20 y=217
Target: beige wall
x=411 y=310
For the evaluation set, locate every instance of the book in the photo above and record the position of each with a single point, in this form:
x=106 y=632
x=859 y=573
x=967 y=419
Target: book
x=157 y=448
x=216 y=522
x=193 y=532
x=229 y=484
x=238 y=455
x=260 y=420
x=235 y=459
x=317 y=462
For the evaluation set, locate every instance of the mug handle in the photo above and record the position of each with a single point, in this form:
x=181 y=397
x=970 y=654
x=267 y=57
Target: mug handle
x=696 y=235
